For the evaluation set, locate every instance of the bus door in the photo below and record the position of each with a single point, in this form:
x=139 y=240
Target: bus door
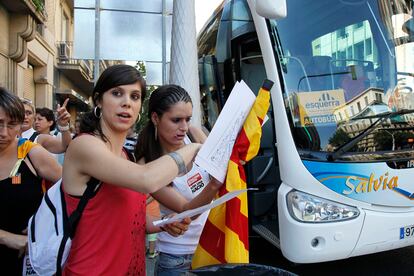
x=263 y=171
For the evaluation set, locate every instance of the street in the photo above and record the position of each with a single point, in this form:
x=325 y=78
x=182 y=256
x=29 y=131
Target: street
x=395 y=262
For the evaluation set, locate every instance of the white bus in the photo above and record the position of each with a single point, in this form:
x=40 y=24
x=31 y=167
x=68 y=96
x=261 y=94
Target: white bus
x=335 y=171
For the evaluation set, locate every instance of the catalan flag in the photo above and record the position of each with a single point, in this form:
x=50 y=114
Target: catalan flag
x=23 y=148
x=225 y=237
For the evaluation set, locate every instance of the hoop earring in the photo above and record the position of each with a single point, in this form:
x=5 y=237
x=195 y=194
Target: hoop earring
x=139 y=117
x=156 y=133
x=97 y=112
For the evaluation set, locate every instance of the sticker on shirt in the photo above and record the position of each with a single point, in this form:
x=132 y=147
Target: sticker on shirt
x=195 y=183
x=16 y=179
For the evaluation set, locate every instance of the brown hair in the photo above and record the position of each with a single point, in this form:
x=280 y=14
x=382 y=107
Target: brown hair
x=11 y=105
x=113 y=76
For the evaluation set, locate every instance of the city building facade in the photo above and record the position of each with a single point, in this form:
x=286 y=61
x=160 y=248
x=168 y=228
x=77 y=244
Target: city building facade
x=36 y=38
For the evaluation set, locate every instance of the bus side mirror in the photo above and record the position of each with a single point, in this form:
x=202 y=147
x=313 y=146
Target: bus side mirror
x=272 y=9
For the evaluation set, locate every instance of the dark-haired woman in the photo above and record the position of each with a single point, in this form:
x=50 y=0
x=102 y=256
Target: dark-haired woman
x=22 y=167
x=110 y=235
x=45 y=121
x=170 y=110
x=52 y=140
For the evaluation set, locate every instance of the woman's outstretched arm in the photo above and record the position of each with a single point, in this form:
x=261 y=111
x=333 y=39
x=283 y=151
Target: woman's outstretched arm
x=88 y=156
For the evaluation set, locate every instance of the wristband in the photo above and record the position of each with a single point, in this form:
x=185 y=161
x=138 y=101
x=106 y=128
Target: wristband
x=63 y=128
x=182 y=169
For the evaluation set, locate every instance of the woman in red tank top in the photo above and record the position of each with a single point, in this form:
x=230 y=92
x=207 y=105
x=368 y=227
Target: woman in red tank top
x=109 y=238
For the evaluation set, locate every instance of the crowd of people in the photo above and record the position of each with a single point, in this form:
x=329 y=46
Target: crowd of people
x=135 y=171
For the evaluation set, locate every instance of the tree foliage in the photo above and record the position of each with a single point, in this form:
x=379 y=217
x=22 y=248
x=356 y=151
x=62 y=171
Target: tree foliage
x=39 y=4
x=339 y=138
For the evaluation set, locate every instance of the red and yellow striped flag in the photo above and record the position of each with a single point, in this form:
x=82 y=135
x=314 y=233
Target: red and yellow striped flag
x=225 y=237
x=23 y=148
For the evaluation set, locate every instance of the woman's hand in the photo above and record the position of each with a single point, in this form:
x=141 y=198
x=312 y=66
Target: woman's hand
x=18 y=242
x=63 y=116
x=14 y=241
x=177 y=228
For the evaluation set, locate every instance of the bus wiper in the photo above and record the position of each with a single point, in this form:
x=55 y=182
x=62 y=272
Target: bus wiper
x=382 y=117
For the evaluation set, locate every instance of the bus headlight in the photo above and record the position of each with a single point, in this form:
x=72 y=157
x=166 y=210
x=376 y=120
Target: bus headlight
x=309 y=208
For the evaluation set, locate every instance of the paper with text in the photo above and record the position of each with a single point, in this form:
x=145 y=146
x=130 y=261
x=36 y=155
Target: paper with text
x=215 y=153
x=199 y=210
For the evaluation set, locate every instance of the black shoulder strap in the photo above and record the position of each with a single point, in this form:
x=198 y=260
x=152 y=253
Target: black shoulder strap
x=34 y=135
x=131 y=156
x=34 y=168
x=73 y=220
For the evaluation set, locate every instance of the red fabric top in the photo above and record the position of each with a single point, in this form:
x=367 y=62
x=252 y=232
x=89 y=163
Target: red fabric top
x=110 y=237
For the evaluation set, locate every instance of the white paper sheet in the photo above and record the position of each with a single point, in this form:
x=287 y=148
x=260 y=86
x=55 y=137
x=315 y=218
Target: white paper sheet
x=215 y=153
x=199 y=210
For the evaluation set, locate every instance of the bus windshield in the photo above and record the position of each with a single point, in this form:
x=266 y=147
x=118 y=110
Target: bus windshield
x=348 y=77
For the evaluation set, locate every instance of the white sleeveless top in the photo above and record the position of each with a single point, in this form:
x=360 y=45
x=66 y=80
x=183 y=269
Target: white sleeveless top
x=189 y=186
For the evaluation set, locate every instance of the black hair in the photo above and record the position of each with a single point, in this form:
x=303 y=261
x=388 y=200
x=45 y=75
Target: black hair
x=12 y=105
x=160 y=101
x=48 y=114
x=113 y=76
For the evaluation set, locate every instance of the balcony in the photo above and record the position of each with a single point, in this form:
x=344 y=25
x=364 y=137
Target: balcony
x=75 y=99
x=36 y=8
x=78 y=71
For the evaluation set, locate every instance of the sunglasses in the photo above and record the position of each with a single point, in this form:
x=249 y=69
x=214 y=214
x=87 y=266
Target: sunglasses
x=26 y=101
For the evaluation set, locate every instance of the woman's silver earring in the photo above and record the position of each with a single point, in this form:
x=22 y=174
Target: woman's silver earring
x=155 y=133
x=97 y=112
x=139 y=117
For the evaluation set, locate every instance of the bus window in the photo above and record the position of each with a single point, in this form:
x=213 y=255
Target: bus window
x=209 y=88
x=252 y=69
x=352 y=64
x=339 y=67
x=252 y=72
x=206 y=43
x=240 y=15
x=343 y=67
